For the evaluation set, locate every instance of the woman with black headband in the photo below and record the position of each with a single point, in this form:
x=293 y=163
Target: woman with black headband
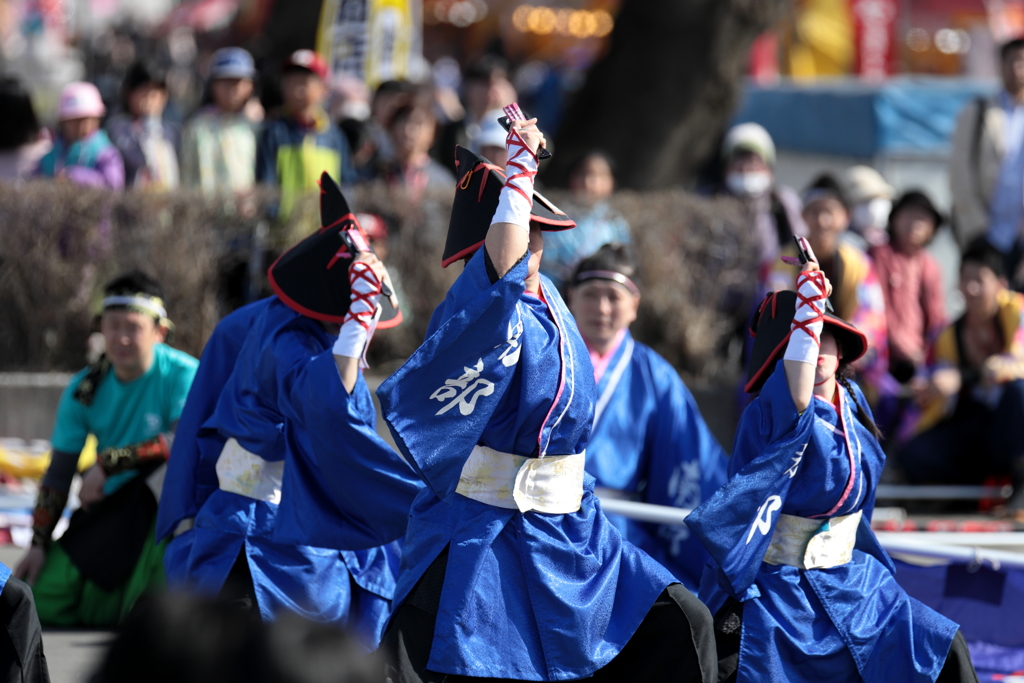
x=801 y=589
x=130 y=399
x=649 y=442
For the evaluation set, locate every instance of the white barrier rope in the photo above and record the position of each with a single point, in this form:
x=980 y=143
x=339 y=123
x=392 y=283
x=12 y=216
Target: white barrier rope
x=963 y=547
x=930 y=492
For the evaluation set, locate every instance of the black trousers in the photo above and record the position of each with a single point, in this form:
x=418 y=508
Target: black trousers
x=972 y=444
x=728 y=621
x=21 y=639
x=675 y=641
x=238 y=590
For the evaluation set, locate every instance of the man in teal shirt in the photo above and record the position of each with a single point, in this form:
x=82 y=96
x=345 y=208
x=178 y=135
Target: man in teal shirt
x=130 y=400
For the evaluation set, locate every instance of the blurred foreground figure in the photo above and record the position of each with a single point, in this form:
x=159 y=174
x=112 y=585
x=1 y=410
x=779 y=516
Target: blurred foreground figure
x=280 y=495
x=510 y=570
x=21 y=638
x=801 y=590
x=973 y=395
x=179 y=638
x=130 y=400
x=649 y=442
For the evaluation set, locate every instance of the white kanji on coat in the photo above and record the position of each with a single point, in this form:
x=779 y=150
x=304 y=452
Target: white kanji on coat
x=675 y=535
x=796 y=462
x=510 y=356
x=464 y=390
x=684 y=485
x=763 y=520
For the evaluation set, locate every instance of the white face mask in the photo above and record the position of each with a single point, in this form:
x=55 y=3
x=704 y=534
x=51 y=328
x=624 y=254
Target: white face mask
x=749 y=183
x=873 y=213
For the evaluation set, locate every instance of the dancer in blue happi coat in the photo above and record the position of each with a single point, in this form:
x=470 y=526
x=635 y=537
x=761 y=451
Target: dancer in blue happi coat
x=649 y=442
x=801 y=589
x=510 y=570
x=280 y=493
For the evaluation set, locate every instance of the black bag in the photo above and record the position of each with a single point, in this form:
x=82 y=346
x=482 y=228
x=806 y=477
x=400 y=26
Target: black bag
x=106 y=541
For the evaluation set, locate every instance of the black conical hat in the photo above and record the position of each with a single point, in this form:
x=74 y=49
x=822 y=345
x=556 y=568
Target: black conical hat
x=312 y=276
x=770 y=330
x=476 y=199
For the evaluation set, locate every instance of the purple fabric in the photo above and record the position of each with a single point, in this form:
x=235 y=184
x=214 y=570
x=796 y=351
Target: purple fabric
x=108 y=173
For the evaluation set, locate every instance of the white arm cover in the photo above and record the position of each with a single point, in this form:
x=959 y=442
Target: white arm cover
x=809 y=319
x=517 y=196
x=363 y=312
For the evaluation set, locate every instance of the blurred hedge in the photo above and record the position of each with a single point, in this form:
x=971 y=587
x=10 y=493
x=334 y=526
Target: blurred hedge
x=59 y=243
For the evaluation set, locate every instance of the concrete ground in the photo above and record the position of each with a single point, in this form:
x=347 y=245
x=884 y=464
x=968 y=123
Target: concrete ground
x=71 y=654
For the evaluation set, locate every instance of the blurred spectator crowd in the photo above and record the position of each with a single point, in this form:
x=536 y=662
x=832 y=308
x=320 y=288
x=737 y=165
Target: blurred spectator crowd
x=948 y=393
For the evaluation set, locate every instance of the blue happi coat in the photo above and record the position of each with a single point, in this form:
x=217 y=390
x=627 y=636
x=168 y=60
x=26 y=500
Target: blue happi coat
x=847 y=623
x=282 y=399
x=528 y=596
x=651 y=444
x=191 y=476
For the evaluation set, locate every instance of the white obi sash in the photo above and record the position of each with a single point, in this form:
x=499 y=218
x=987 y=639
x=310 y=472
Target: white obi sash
x=552 y=484
x=813 y=543
x=249 y=475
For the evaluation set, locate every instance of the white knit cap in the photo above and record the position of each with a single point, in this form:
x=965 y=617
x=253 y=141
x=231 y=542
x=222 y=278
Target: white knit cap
x=491 y=133
x=749 y=137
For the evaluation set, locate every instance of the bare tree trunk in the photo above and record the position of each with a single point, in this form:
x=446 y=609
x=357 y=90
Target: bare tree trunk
x=659 y=100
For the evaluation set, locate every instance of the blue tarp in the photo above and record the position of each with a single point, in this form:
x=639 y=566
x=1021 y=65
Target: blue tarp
x=987 y=603
x=904 y=115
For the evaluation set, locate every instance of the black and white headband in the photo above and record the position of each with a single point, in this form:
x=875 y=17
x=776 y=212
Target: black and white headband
x=140 y=303
x=152 y=305
x=611 y=275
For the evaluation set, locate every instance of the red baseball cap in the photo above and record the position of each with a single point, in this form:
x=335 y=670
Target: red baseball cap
x=308 y=60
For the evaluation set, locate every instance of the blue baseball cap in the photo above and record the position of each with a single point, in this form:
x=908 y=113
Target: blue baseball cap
x=231 y=62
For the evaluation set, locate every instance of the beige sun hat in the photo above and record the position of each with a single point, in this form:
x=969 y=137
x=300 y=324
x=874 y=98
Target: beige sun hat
x=863 y=183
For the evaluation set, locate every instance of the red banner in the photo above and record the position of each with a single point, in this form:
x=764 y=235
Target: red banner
x=764 y=59
x=875 y=35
